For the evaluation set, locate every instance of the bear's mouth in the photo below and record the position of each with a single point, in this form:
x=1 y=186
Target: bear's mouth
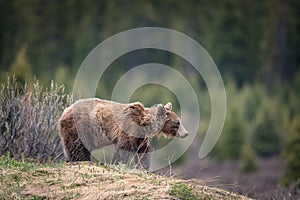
x=165 y=135
x=168 y=136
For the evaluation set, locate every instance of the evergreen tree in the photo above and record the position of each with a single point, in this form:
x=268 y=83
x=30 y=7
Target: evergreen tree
x=21 y=68
x=265 y=137
x=292 y=155
x=249 y=162
x=232 y=138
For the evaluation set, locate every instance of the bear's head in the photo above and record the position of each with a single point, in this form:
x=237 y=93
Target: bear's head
x=158 y=119
x=173 y=126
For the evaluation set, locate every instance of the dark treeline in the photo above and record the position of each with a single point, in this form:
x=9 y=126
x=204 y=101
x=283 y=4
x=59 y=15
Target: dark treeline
x=249 y=40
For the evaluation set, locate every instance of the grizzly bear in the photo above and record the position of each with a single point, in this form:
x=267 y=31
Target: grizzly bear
x=90 y=124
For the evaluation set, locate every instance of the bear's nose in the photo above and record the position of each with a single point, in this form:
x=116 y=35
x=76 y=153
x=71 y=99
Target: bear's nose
x=183 y=135
x=186 y=134
x=182 y=132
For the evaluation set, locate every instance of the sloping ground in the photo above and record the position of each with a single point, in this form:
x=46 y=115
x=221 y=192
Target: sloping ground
x=20 y=180
x=261 y=184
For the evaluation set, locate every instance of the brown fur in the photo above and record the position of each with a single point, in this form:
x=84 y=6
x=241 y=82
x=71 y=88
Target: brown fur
x=172 y=124
x=90 y=124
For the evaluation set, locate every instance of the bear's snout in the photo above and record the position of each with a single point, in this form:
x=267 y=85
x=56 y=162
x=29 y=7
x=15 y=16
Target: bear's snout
x=182 y=132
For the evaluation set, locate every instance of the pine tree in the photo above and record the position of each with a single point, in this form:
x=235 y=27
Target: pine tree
x=249 y=162
x=265 y=138
x=21 y=68
x=292 y=155
x=232 y=138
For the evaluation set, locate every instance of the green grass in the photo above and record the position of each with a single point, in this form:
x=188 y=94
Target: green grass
x=6 y=162
x=182 y=191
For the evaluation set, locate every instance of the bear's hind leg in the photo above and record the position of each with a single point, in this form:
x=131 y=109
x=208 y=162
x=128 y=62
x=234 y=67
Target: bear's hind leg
x=74 y=150
x=78 y=152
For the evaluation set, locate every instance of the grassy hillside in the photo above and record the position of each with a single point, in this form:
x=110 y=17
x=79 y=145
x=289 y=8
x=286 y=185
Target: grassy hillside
x=25 y=180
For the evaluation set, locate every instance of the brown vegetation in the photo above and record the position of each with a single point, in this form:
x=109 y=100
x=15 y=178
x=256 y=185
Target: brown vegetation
x=89 y=181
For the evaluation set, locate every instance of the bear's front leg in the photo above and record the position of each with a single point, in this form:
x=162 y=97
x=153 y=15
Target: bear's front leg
x=143 y=160
x=121 y=156
x=125 y=150
x=143 y=157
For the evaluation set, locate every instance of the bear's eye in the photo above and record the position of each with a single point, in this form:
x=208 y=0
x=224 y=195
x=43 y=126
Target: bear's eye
x=176 y=125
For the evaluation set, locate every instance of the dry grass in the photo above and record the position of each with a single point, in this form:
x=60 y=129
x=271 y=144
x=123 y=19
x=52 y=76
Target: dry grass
x=89 y=181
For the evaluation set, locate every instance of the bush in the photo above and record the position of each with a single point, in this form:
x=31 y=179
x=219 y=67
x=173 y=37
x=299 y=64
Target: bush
x=233 y=137
x=182 y=191
x=265 y=137
x=249 y=162
x=292 y=155
x=28 y=120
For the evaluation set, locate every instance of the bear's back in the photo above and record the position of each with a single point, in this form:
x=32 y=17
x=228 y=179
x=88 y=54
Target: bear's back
x=88 y=116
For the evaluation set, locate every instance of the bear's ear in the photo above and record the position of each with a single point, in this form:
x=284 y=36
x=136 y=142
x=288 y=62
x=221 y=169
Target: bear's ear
x=161 y=111
x=168 y=106
x=161 y=115
x=139 y=114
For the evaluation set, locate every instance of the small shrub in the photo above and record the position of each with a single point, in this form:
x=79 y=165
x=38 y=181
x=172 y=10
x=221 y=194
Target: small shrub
x=28 y=120
x=292 y=155
x=182 y=191
x=265 y=137
x=248 y=158
x=232 y=139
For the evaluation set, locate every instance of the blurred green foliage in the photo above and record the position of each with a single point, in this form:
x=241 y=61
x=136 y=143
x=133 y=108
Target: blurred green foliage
x=258 y=121
x=233 y=136
x=245 y=38
x=265 y=136
x=292 y=153
x=249 y=159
